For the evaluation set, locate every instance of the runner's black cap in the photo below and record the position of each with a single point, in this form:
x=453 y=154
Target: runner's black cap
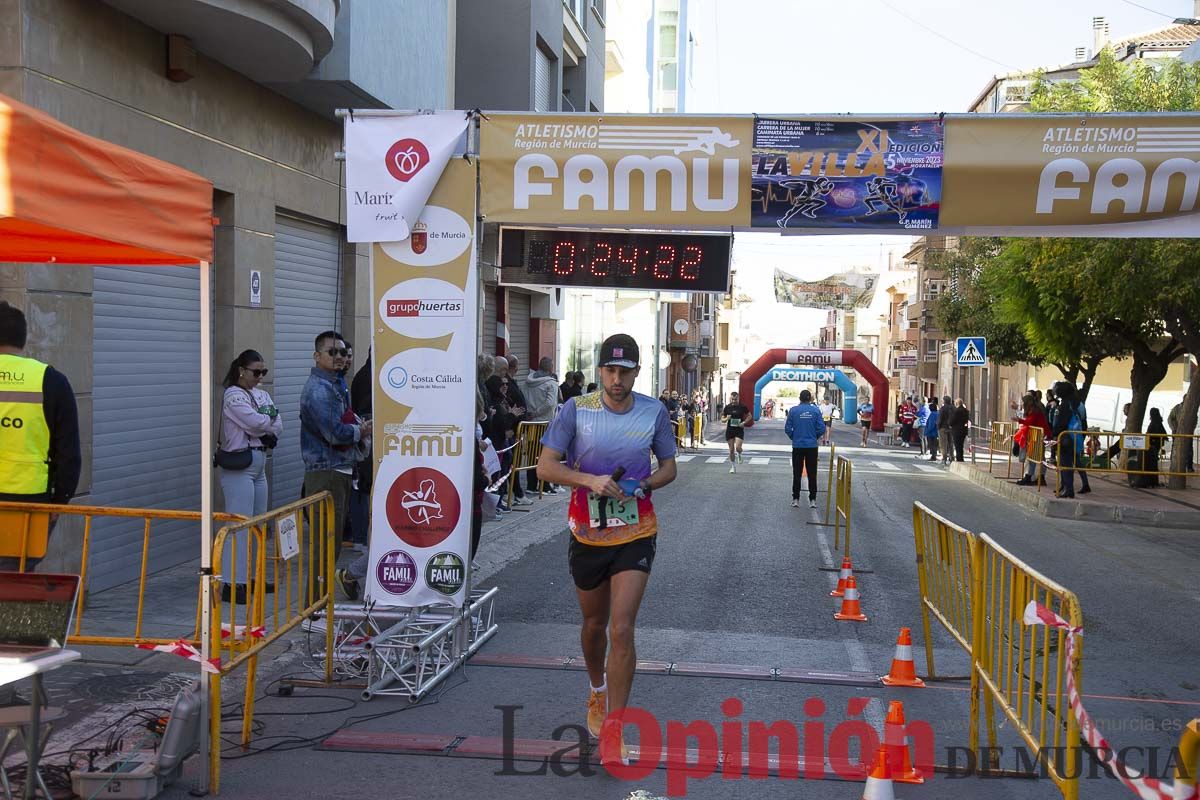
x=619 y=350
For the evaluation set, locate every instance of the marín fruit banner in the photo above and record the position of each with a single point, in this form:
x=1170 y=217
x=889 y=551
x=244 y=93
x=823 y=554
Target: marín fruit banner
x=425 y=300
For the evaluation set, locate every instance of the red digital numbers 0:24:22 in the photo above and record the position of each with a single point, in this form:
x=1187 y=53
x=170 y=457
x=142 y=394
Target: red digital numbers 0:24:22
x=564 y=258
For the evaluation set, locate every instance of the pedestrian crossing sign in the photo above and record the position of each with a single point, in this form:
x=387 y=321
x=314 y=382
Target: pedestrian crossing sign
x=972 y=351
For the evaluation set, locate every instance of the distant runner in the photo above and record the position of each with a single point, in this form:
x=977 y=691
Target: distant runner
x=827 y=418
x=865 y=412
x=734 y=415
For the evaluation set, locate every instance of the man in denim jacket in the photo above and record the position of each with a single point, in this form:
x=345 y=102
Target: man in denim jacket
x=329 y=430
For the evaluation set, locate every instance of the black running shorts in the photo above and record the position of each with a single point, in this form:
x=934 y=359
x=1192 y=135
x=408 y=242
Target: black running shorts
x=735 y=433
x=592 y=565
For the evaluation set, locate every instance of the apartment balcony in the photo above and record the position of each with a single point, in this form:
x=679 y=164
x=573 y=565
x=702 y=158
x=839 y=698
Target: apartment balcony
x=268 y=41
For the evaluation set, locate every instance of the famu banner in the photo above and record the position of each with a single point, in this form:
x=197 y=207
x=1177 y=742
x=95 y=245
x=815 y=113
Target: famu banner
x=639 y=171
x=1019 y=170
x=876 y=175
x=425 y=296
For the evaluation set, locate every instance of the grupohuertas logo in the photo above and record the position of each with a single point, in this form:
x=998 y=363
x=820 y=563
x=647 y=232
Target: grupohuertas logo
x=444 y=573
x=423 y=308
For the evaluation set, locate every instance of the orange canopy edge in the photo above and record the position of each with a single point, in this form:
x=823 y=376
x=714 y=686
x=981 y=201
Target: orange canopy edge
x=71 y=198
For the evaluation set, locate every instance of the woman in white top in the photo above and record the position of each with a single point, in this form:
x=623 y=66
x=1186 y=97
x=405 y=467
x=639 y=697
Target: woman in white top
x=249 y=420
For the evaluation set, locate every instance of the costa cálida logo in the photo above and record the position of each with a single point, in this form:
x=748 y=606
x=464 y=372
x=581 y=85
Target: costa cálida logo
x=420 y=238
x=406 y=158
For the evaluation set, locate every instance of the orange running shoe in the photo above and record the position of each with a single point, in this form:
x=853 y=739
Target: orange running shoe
x=612 y=744
x=597 y=711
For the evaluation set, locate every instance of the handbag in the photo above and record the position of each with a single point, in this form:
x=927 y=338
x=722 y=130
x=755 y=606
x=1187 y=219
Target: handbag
x=232 y=459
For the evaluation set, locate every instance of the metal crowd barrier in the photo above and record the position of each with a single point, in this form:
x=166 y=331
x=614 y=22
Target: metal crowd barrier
x=1116 y=452
x=525 y=454
x=841 y=509
x=23 y=531
x=944 y=568
x=1001 y=442
x=1024 y=668
x=294 y=546
x=698 y=427
x=830 y=475
x=1189 y=762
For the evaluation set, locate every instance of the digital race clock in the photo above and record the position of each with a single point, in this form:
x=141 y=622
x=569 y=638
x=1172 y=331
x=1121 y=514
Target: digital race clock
x=693 y=262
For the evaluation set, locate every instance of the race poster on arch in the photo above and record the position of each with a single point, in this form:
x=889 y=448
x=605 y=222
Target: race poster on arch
x=423 y=337
x=868 y=174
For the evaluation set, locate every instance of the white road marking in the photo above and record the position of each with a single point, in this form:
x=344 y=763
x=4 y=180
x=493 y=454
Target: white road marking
x=927 y=468
x=683 y=458
x=717 y=459
x=887 y=466
x=760 y=461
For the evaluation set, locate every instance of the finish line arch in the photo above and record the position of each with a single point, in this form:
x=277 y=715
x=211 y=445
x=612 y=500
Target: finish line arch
x=821 y=358
x=789 y=374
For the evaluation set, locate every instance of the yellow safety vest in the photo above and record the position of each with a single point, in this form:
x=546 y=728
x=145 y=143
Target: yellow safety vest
x=24 y=434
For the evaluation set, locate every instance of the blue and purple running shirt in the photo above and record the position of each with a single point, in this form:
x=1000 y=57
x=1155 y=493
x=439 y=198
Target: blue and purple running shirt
x=597 y=440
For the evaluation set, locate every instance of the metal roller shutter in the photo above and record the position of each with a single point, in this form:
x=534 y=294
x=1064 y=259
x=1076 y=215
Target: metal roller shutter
x=146 y=415
x=518 y=330
x=543 y=82
x=307 y=257
x=489 y=319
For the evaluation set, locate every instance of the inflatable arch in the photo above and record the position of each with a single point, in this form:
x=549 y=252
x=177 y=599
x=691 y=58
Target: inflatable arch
x=783 y=372
x=854 y=359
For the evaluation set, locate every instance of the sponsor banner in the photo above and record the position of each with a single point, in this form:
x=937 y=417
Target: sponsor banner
x=876 y=175
x=1037 y=171
x=906 y=362
x=425 y=304
x=845 y=290
x=392 y=165
x=815 y=358
x=790 y=375
x=590 y=169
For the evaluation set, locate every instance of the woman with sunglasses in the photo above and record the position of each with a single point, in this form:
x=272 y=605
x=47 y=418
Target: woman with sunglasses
x=249 y=421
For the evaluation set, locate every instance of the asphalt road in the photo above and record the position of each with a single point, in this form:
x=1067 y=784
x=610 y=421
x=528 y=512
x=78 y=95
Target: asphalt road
x=737 y=581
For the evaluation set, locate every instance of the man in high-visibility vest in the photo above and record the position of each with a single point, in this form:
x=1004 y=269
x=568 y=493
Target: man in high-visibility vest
x=39 y=426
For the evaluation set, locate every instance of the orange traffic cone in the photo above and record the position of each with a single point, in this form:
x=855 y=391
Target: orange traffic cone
x=846 y=572
x=904 y=672
x=893 y=738
x=850 y=609
x=879 y=782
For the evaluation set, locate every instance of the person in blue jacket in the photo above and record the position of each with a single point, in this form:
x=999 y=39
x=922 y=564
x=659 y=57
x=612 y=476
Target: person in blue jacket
x=804 y=427
x=931 y=429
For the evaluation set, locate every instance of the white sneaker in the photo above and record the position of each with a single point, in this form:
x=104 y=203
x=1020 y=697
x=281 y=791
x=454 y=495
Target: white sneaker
x=732 y=468
x=741 y=460
x=812 y=503
x=522 y=501
x=795 y=503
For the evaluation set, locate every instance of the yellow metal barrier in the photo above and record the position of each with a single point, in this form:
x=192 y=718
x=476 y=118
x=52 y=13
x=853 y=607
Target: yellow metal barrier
x=297 y=540
x=830 y=476
x=23 y=527
x=1189 y=761
x=841 y=508
x=1116 y=452
x=697 y=429
x=1035 y=449
x=680 y=432
x=944 y=569
x=525 y=454
x=1023 y=667
x=1001 y=442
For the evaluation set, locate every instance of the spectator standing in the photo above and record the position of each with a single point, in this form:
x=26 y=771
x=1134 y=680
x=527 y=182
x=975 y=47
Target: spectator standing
x=40 y=459
x=804 y=427
x=1069 y=415
x=931 y=429
x=922 y=418
x=906 y=415
x=329 y=429
x=945 y=440
x=960 y=425
x=250 y=422
x=1156 y=441
x=1032 y=417
x=541 y=399
x=591 y=387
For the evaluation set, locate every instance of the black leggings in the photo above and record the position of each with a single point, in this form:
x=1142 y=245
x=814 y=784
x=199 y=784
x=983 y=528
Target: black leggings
x=804 y=459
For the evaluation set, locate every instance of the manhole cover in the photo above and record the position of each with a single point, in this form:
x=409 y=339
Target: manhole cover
x=132 y=687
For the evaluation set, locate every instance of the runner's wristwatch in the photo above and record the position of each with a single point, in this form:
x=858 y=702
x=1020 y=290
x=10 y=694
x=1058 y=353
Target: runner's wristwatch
x=643 y=490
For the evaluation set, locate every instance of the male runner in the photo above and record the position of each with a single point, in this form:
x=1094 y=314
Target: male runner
x=865 y=412
x=606 y=438
x=733 y=415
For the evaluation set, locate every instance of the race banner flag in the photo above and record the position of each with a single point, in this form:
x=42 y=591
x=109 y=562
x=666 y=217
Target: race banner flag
x=688 y=172
x=425 y=292
x=875 y=175
x=392 y=165
x=845 y=290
